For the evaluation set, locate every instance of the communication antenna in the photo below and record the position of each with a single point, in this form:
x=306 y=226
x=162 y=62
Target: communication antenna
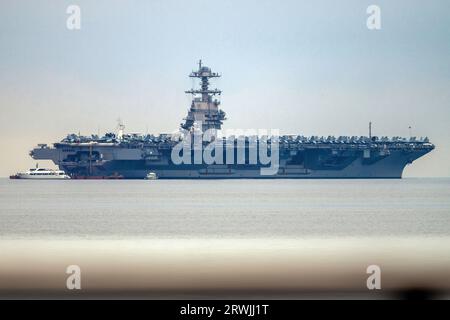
x=204 y=74
x=370 y=130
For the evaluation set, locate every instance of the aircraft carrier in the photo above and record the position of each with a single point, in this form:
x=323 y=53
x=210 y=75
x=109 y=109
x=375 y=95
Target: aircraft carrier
x=119 y=155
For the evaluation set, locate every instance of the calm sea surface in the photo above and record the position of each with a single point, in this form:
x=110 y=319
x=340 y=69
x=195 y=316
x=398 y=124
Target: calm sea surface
x=268 y=209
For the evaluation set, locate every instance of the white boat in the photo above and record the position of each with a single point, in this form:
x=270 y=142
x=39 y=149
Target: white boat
x=42 y=174
x=151 y=176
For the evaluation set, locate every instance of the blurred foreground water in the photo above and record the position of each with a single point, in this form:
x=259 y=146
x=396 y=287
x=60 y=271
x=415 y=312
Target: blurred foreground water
x=249 y=238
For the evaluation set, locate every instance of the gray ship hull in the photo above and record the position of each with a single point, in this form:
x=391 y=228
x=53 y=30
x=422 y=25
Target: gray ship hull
x=129 y=164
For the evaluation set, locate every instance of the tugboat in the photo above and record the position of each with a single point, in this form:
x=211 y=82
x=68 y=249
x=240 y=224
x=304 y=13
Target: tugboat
x=41 y=174
x=151 y=176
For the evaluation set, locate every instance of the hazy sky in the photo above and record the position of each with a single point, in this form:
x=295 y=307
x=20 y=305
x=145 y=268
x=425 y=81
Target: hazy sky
x=305 y=67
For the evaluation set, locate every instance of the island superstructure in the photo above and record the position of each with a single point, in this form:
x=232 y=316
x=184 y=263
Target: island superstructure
x=133 y=156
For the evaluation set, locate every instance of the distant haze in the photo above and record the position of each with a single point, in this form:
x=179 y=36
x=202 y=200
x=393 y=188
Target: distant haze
x=304 y=67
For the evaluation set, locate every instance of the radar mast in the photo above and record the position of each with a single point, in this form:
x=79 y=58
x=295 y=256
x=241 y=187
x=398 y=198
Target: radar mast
x=204 y=108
